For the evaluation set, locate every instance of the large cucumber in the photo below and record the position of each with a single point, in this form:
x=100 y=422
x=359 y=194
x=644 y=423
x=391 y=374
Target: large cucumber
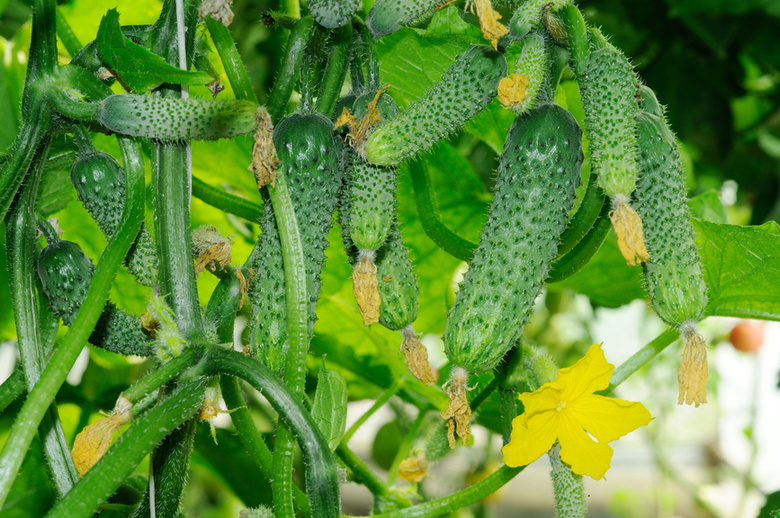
x=65 y=273
x=174 y=120
x=464 y=91
x=310 y=157
x=100 y=184
x=538 y=173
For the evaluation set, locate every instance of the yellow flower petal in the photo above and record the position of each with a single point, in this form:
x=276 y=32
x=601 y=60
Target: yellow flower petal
x=608 y=419
x=589 y=374
x=583 y=454
x=544 y=398
x=529 y=442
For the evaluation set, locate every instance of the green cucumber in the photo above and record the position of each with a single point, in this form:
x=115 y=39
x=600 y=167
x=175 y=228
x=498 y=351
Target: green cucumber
x=530 y=15
x=311 y=159
x=673 y=274
x=371 y=187
x=533 y=65
x=175 y=120
x=100 y=185
x=464 y=91
x=649 y=102
x=65 y=273
x=333 y=13
x=609 y=95
x=387 y=16
x=538 y=174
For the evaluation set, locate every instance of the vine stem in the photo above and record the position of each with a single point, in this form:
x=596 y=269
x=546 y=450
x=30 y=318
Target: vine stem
x=54 y=374
x=290 y=69
x=297 y=300
x=640 y=358
x=12 y=388
x=381 y=400
x=292 y=8
x=21 y=243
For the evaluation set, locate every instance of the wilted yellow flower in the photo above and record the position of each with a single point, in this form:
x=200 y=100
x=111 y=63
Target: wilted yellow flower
x=567 y=410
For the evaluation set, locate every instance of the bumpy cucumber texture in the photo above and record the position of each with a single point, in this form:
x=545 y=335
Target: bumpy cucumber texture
x=65 y=272
x=310 y=157
x=100 y=185
x=673 y=274
x=609 y=90
x=387 y=16
x=371 y=187
x=333 y=13
x=464 y=91
x=538 y=174
x=172 y=120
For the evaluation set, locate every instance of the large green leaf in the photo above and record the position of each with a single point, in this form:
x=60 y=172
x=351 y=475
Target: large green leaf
x=742 y=269
x=138 y=68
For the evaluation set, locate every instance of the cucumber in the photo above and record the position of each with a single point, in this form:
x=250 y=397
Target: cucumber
x=609 y=89
x=521 y=90
x=387 y=16
x=464 y=91
x=100 y=185
x=333 y=13
x=530 y=15
x=310 y=157
x=538 y=173
x=649 y=102
x=673 y=275
x=175 y=120
x=65 y=273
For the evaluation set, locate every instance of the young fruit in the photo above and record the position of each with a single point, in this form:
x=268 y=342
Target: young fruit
x=538 y=173
x=333 y=13
x=521 y=89
x=464 y=91
x=310 y=157
x=100 y=184
x=673 y=273
x=65 y=273
x=387 y=16
x=173 y=120
x=649 y=102
x=609 y=95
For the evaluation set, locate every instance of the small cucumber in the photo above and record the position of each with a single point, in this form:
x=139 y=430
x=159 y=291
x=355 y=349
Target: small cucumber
x=387 y=16
x=538 y=174
x=530 y=70
x=173 y=120
x=371 y=187
x=65 y=273
x=673 y=274
x=333 y=13
x=311 y=159
x=464 y=91
x=100 y=184
x=609 y=94
x=649 y=102
x=530 y=15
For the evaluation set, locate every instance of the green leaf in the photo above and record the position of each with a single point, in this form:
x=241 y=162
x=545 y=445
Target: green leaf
x=707 y=206
x=329 y=408
x=56 y=189
x=448 y=22
x=491 y=125
x=136 y=67
x=742 y=268
x=771 y=508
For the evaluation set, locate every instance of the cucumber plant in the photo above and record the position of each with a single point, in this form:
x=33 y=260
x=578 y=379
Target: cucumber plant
x=318 y=123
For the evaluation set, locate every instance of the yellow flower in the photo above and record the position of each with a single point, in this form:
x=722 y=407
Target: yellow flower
x=567 y=410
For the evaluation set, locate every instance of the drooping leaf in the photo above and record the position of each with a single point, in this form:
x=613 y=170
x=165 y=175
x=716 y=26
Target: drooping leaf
x=742 y=268
x=329 y=408
x=136 y=67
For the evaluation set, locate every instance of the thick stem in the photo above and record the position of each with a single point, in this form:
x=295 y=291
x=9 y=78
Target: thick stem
x=322 y=485
x=231 y=61
x=297 y=298
x=12 y=388
x=33 y=128
x=583 y=220
x=161 y=375
x=362 y=473
x=71 y=344
x=100 y=482
x=290 y=69
x=21 y=244
x=225 y=201
x=581 y=254
x=335 y=70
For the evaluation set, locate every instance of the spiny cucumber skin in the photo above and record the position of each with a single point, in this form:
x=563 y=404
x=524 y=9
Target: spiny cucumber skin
x=673 y=275
x=529 y=15
x=397 y=284
x=538 y=174
x=609 y=89
x=372 y=187
x=649 y=102
x=387 y=16
x=311 y=159
x=464 y=91
x=65 y=273
x=533 y=64
x=333 y=13
x=174 y=120
x=100 y=185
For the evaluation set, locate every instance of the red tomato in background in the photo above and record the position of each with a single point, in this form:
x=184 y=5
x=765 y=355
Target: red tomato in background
x=747 y=336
